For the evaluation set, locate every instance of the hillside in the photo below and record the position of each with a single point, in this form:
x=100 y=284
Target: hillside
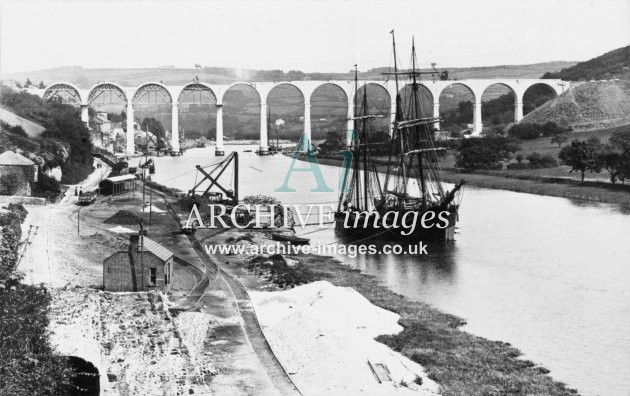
x=65 y=143
x=32 y=129
x=501 y=71
x=587 y=106
x=611 y=65
x=85 y=78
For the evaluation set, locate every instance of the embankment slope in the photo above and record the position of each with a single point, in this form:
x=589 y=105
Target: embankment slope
x=587 y=106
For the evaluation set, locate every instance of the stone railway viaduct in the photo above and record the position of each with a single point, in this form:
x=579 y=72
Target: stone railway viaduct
x=132 y=95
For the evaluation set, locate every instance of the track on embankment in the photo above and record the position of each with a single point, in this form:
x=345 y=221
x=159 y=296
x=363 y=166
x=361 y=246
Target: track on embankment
x=251 y=327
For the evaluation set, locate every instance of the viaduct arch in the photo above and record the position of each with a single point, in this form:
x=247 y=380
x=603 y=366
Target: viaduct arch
x=306 y=88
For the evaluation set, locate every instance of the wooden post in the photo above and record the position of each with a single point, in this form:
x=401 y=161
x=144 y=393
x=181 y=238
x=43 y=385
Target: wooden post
x=142 y=254
x=235 y=178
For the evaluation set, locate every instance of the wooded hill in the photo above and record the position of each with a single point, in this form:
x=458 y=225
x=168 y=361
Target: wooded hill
x=611 y=65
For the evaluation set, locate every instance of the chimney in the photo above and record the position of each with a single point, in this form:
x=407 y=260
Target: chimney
x=134 y=242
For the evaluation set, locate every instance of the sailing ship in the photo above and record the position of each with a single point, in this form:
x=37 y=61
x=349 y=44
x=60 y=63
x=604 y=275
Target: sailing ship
x=412 y=185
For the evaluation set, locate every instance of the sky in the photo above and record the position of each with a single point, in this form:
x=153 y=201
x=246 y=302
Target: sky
x=324 y=35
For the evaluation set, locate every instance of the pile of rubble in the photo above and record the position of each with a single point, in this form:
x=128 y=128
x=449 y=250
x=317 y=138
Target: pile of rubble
x=134 y=341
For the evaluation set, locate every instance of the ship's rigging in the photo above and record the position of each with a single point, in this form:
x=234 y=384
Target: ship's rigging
x=413 y=178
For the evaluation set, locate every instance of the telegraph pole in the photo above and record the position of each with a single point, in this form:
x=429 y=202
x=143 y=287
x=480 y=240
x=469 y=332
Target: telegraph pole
x=142 y=253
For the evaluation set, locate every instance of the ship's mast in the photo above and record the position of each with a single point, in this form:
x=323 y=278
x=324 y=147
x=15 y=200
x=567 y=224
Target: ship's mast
x=356 y=166
x=397 y=118
x=365 y=151
x=417 y=115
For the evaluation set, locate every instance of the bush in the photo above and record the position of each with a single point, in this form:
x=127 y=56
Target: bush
x=517 y=166
x=525 y=131
x=46 y=186
x=74 y=172
x=9 y=184
x=485 y=153
x=28 y=364
x=538 y=161
x=15 y=129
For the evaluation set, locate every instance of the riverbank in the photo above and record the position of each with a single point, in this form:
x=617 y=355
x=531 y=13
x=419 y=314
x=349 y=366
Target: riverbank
x=459 y=362
x=531 y=184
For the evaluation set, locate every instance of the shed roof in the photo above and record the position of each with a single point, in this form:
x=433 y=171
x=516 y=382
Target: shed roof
x=160 y=251
x=122 y=178
x=11 y=158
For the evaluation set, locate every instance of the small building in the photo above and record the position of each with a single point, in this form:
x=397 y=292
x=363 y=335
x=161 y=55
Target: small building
x=147 y=265
x=17 y=174
x=102 y=130
x=115 y=185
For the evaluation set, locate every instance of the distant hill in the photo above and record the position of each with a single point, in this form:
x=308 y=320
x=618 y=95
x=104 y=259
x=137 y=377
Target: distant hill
x=587 y=106
x=611 y=65
x=85 y=78
x=502 y=71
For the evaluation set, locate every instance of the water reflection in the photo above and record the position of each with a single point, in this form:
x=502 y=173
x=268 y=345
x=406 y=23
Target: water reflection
x=405 y=270
x=581 y=203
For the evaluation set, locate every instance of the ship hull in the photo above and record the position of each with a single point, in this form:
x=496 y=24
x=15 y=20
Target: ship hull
x=374 y=226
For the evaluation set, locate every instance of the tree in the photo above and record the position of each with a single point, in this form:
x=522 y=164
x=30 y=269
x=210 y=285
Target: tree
x=41 y=85
x=154 y=126
x=334 y=142
x=537 y=161
x=525 y=131
x=612 y=162
x=485 y=153
x=615 y=156
x=559 y=139
x=620 y=140
x=582 y=156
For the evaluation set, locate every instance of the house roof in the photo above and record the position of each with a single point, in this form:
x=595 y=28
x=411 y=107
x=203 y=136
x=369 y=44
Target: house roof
x=160 y=251
x=122 y=178
x=11 y=158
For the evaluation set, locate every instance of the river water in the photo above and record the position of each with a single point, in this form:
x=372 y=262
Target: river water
x=549 y=275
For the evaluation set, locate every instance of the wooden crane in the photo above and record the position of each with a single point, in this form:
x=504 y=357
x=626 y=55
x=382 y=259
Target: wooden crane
x=213 y=173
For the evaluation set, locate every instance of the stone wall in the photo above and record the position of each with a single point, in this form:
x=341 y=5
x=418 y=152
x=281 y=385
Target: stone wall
x=20 y=178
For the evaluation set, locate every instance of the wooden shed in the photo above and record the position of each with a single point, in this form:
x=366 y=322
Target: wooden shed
x=118 y=184
x=147 y=265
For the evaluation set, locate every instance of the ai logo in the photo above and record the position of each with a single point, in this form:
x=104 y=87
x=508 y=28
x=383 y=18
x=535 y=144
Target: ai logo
x=304 y=146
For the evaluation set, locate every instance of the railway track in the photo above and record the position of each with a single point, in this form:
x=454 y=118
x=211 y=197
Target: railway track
x=275 y=371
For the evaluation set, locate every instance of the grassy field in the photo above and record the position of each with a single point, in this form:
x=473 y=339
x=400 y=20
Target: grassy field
x=544 y=145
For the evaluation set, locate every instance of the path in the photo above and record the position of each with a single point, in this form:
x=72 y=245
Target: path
x=47 y=259
x=219 y=279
